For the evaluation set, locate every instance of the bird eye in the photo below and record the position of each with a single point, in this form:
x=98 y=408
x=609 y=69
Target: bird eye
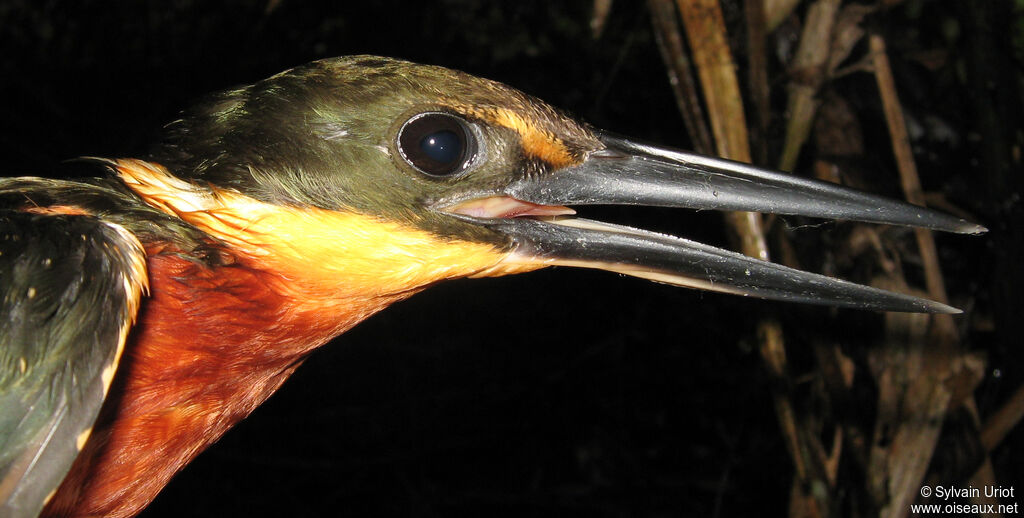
x=438 y=144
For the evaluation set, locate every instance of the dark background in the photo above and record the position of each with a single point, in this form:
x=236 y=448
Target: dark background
x=558 y=393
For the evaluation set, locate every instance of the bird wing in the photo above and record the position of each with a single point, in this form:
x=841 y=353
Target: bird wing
x=70 y=286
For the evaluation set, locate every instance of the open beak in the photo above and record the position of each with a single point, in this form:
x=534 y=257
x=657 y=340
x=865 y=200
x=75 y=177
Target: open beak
x=531 y=212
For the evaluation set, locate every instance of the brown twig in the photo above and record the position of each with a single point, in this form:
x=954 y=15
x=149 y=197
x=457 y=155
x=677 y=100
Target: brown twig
x=909 y=178
x=757 y=76
x=944 y=364
x=705 y=31
x=706 y=34
x=776 y=11
x=680 y=75
x=599 y=17
x=807 y=72
x=1004 y=420
x=995 y=430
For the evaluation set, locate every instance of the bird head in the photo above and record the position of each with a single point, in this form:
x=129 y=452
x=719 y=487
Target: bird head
x=367 y=176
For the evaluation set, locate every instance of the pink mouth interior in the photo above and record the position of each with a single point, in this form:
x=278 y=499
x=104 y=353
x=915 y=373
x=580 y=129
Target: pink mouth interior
x=507 y=207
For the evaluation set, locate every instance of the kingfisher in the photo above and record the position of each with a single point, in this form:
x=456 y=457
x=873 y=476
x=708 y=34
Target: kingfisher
x=150 y=309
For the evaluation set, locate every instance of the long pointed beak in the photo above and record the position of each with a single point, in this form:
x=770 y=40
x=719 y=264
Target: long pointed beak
x=630 y=173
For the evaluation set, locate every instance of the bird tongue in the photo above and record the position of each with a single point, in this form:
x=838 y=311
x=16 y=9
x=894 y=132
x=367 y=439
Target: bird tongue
x=507 y=207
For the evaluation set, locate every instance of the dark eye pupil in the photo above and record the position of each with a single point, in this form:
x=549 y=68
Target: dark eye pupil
x=438 y=144
x=443 y=147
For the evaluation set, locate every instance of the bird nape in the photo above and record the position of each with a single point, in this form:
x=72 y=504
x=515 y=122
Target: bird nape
x=151 y=309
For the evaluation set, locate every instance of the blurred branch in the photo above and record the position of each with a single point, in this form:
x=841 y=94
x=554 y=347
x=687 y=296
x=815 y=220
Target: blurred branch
x=807 y=72
x=706 y=34
x=1004 y=420
x=909 y=178
x=599 y=17
x=680 y=76
x=757 y=75
x=776 y=11
x=917 y=381
x=995 y=430
x=941 y=372
x=705 y=31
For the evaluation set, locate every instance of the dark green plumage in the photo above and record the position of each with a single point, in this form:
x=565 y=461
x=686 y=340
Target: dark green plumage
x=323 y=134
x=69 y=285
x=106 y=199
